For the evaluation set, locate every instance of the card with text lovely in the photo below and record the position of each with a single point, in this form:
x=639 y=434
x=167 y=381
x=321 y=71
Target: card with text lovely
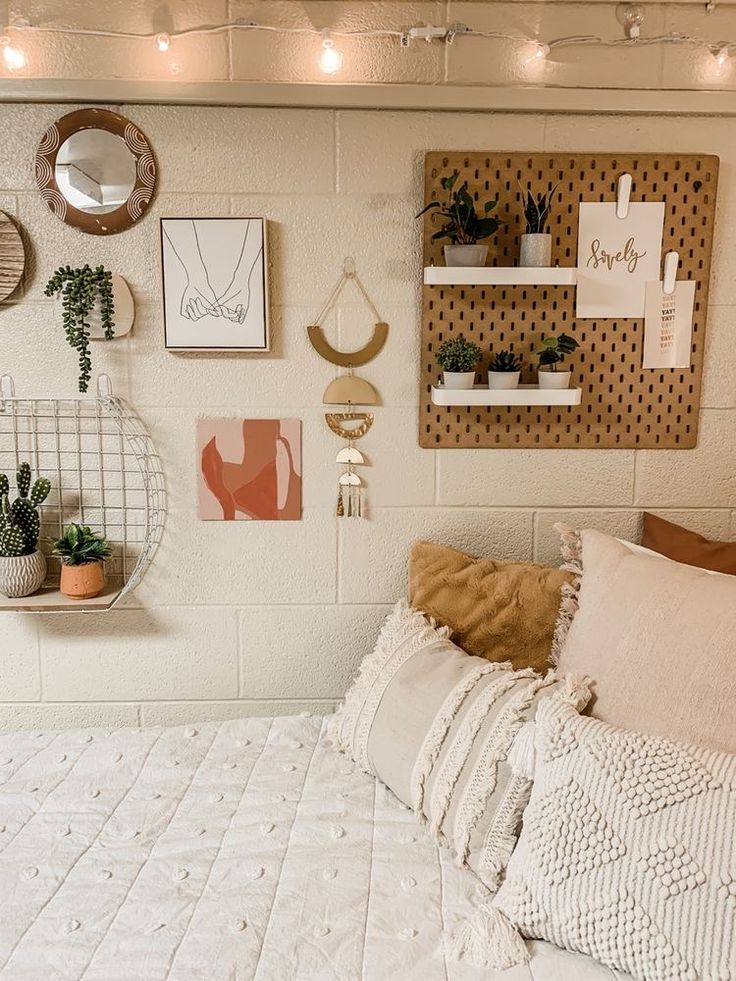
x=617 y=257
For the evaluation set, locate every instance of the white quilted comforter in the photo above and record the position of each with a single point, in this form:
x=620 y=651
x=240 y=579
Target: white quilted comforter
x=223 y=852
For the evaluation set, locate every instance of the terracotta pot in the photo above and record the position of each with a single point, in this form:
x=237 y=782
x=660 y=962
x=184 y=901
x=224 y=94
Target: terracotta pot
x=82 y=581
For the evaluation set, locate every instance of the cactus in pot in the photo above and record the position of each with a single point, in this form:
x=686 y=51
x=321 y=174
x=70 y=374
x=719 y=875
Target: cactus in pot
x=22 y=565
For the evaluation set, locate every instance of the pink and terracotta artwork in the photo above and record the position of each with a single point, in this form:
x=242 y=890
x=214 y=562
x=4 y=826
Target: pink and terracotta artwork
x=250 y=469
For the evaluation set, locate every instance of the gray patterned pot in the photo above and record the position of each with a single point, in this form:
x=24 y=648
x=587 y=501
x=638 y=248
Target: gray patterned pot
x=21 y=575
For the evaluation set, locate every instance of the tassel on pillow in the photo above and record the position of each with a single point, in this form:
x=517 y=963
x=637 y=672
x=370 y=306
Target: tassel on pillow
x=488 y=939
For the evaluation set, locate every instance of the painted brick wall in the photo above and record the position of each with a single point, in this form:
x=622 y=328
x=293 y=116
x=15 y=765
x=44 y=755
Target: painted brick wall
x=266 y=618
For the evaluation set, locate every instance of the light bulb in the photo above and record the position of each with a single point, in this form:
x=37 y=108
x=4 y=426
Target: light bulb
x=163 y=42
x=330 y=59
x=631 y=16
x=541 y=52
x=13 y=57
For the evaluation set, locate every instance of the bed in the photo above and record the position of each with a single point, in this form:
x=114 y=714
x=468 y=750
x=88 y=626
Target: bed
x=225 y=851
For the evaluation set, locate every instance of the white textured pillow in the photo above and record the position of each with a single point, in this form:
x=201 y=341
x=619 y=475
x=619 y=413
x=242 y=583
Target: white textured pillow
x=628 y=852
x=435 y=724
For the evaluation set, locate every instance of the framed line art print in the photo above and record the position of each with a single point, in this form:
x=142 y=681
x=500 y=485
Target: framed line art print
x=215 y=285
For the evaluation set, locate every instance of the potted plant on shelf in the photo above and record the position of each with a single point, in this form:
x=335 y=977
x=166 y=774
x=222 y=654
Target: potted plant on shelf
x=504 y=370
x=80 y=290
x=461 y=224
x=536 y=242
x=553 y=352
x=458 y=357
x=22 y=565
x=82 y=555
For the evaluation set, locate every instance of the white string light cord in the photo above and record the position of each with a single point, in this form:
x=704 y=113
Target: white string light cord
x=330 y=58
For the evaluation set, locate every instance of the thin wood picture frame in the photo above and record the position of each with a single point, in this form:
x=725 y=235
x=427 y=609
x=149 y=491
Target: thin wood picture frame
x=214 y=276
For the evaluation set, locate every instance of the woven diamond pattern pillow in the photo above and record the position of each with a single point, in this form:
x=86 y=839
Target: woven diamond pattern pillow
x=628 y=851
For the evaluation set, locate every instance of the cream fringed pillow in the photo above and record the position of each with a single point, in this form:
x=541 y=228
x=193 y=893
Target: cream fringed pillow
x=435 y=724
x=628 y=853
x=659 y=640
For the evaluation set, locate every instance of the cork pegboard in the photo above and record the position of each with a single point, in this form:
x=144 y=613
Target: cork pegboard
x=623 y=405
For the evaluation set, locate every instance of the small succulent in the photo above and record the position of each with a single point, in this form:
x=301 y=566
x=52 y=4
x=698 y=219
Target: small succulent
x=458 y=354
x=79 y=545
x=536 y=210
x=505 y=361
x=20 y=523
x=462 y=225
x=79 y=290
x=555 y=349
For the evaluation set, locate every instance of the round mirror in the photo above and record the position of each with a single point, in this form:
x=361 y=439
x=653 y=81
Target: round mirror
x=95 y=170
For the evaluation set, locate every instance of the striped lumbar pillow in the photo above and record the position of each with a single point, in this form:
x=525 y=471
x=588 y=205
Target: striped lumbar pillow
x=435 y=724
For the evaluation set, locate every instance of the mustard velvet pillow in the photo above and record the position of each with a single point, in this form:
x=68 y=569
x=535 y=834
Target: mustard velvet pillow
x=502 y=611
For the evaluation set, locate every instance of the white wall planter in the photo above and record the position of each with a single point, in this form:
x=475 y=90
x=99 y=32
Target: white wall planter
x=555 y=380
x=465 y=255
x=124 y=311
x=460 y=380
x=536 y=250
x=503 y=380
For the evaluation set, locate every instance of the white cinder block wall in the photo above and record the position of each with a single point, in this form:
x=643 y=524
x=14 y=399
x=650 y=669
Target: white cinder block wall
x=272 y=617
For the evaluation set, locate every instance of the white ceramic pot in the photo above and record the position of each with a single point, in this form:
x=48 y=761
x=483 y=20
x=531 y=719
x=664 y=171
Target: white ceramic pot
x=536 y=250
x=458 y=379
x=503 y=380
x=21 y=575
x=466 y=255
x=554 y=379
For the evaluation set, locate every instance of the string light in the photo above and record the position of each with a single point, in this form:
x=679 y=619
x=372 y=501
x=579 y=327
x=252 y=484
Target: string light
x=13 y=57
x=630 y=15
x=330 y=59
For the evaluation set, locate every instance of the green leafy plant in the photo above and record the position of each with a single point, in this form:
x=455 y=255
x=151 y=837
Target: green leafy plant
x=536 y=210
x=80 y=289
x=462 y=225
x=555 y=349
x=79 y=545
x=505 y=361
x=458 y=354
x=20 y=523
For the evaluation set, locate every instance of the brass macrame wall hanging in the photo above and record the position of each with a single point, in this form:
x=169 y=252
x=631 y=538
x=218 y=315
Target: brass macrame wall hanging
x=350 y=391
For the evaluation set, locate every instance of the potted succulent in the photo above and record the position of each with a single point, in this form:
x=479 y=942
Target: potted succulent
x=461 y=224
x=82 y=555
x=22 y=565
x=81 y=289
x=458 y=357
x=553 y=352
x=536 y=242
x=504 y=370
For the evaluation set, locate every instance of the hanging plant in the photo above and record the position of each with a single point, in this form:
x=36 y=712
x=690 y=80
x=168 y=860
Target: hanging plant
x=80 y=289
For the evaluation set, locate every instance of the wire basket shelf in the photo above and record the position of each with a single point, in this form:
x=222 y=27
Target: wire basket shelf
x=104 y=472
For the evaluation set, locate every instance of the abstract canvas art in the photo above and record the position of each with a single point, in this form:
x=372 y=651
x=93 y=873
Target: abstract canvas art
x=215 y=286
x=249 y=469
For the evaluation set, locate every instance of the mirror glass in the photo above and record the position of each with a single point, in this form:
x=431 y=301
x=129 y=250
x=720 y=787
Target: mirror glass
x=95 y=171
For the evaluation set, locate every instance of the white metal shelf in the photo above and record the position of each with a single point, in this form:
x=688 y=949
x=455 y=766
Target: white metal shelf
x=523 y=395
x=500 y=276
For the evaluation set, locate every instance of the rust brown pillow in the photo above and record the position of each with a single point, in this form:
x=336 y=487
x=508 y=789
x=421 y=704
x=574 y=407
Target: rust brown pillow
x=688 y=547
x=502 y=611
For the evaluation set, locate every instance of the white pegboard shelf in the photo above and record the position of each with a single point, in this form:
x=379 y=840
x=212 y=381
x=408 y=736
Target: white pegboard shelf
x=500 y=276
x=523 y=395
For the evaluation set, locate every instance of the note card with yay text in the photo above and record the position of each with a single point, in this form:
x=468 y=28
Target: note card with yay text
x=617 y=257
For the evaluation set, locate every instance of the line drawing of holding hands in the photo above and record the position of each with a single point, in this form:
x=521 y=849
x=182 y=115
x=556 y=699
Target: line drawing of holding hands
x=215 y=287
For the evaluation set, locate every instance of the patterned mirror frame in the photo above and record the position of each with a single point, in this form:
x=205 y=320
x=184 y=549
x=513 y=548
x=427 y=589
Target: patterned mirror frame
x=144 y=188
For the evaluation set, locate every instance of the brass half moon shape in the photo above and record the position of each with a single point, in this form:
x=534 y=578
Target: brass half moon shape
x=348 y=359
x=350 y=390
x=333 y=420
